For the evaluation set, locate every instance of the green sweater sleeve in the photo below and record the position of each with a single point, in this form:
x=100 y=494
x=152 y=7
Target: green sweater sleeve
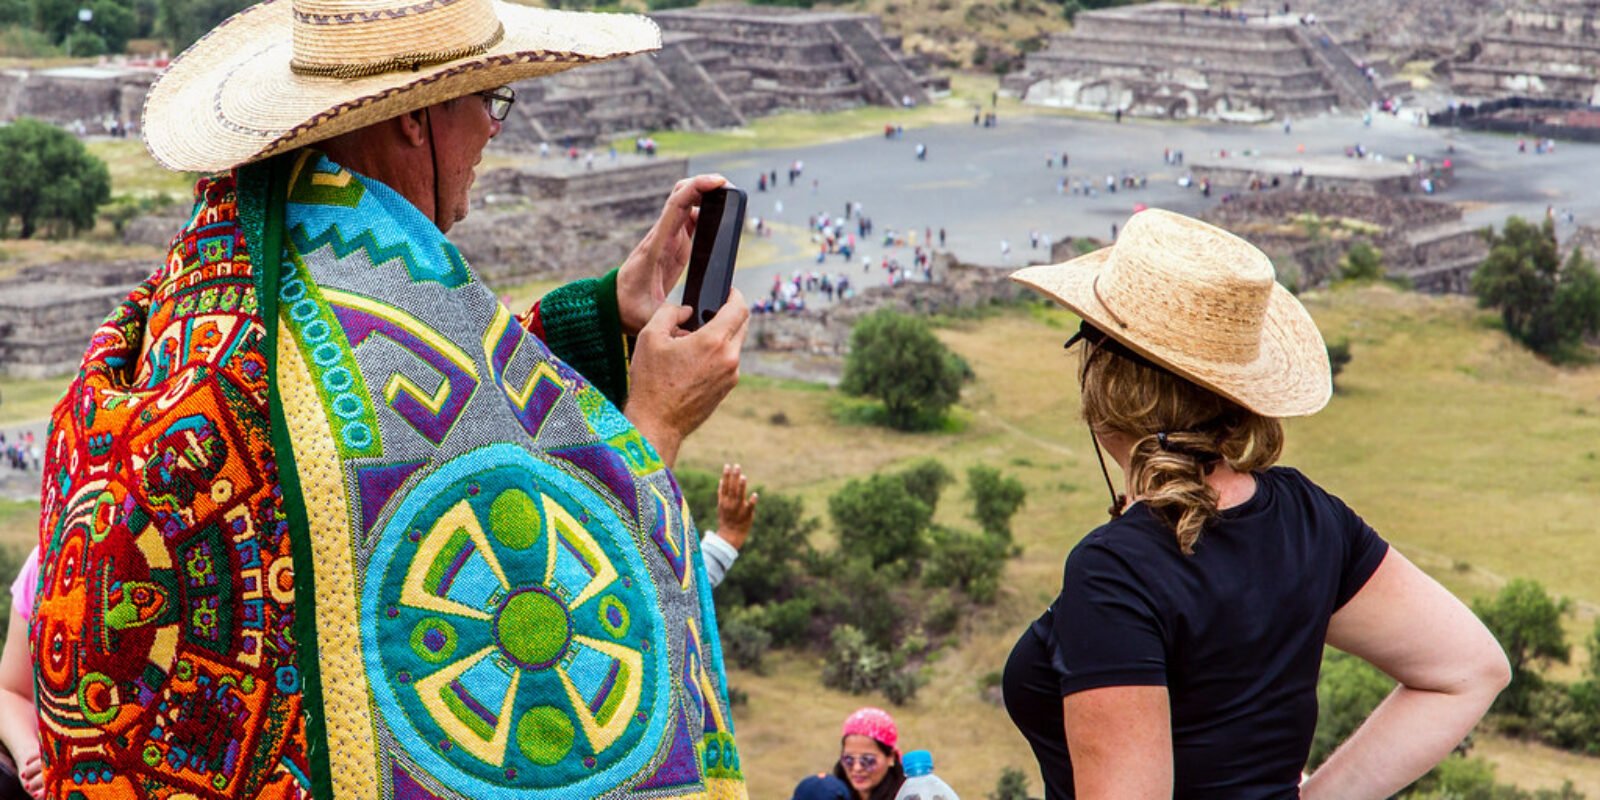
x=581 y=324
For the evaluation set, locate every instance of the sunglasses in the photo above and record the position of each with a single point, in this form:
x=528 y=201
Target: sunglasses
x=498 y=102
x=867 y=762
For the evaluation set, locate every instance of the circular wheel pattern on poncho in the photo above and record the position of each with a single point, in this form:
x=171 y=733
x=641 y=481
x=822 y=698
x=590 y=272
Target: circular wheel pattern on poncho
x=515 y=641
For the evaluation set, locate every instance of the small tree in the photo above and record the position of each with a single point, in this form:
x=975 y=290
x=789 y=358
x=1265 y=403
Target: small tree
x=995 y=499
x=49 y=177
x=1362 y=262
x=879 y=519
x=1544 y=304
x=896 y=359
x=1527 y=623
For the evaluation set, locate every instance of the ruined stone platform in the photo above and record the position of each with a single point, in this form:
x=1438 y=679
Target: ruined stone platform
x=1176 y=61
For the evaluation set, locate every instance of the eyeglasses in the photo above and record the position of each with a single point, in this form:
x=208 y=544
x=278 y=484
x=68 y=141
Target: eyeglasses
x=498 y=102
x=867 y=762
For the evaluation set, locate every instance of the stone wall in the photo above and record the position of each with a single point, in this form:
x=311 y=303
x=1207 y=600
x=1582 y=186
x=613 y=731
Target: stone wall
x=69 y=95
x=47 y=313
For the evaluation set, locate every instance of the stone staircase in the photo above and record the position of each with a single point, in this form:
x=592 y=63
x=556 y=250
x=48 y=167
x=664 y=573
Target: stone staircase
x=1442 y=257
x=688 y=83
x=1337 y=67
x=886 y=75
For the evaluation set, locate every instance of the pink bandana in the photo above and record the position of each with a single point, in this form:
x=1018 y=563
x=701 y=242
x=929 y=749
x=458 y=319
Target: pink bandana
x=874 y=723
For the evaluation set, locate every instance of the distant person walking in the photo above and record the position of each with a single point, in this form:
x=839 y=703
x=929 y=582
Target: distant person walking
x=1181 y=657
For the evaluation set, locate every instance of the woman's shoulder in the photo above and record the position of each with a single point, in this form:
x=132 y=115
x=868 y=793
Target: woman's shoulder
x=1130 y=536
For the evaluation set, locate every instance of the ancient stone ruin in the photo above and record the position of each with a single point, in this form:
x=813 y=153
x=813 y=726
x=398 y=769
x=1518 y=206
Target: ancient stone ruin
x=1174 y=61
x=1545 y=49
x=48 y=312
x=1423 y=241
x=718 y=68
x=69 y=95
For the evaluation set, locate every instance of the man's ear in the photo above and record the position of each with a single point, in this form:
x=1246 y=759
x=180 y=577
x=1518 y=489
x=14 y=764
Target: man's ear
x=413 y=127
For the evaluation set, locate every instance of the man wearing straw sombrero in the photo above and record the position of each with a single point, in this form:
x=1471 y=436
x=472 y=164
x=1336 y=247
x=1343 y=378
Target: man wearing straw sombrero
x=1181 y=657
x=322 y=517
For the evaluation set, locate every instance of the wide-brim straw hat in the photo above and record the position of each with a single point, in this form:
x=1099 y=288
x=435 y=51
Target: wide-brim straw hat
x=287 y=73
x=1203 y=303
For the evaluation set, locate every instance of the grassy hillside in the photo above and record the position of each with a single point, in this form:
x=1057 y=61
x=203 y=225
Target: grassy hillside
x=1472 y=457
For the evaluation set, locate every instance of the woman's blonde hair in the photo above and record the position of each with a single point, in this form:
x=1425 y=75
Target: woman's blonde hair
x=1179 y=430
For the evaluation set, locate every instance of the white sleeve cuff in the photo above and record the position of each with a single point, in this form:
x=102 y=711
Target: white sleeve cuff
x=718 y=555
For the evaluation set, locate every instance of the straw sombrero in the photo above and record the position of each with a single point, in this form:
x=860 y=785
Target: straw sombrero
x=286 y=73
x=1202 y=303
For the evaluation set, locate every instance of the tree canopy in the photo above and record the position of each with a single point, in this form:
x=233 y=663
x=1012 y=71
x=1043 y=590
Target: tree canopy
x=1546 y=305
x=896 y=358
x=1527 y=623
x=50 y=179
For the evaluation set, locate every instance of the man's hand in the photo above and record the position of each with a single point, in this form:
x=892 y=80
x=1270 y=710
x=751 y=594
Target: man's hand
x=736 y=508
x=678 y=378
x=653 y=268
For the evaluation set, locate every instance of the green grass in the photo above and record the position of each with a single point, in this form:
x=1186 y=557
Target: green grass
x=134 y=172
x=1471 y=456
x=24 y=400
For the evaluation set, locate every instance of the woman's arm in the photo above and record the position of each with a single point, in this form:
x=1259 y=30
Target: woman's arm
x=19 y=725
x=1120 y=738
x=1450 y=669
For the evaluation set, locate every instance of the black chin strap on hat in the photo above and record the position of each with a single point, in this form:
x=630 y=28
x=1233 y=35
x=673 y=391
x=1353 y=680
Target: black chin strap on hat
x=1117 y=500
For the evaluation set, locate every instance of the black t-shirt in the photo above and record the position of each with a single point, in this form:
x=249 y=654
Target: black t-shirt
x=1235 y=632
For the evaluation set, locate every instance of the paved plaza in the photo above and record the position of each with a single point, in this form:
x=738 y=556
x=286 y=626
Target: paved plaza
x=988 y=185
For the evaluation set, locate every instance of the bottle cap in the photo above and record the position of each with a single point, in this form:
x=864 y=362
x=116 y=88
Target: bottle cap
x=917 y=762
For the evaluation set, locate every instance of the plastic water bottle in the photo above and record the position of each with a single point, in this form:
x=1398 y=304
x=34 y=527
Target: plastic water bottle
x=921 y=783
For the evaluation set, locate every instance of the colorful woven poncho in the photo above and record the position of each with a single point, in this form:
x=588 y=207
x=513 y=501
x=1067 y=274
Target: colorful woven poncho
x=338 y=526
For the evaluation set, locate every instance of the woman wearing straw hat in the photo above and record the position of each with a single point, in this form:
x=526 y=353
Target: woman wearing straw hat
x=324 y=518
x=1181 y=657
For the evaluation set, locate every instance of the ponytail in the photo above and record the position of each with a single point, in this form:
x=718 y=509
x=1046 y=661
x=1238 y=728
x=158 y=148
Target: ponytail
x=1180 y=432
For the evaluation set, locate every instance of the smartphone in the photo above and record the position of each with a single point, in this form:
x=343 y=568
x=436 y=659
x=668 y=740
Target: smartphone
x=712 y=257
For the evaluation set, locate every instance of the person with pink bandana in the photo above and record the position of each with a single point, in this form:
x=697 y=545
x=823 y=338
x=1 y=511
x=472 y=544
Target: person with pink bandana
x=869 y=758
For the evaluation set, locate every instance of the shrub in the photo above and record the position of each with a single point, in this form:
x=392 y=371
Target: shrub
x=854 y=594
x=1338 y=357
x=925 y=480
x=942 y=613
x=995 y=499
x=878 y=518
x=787 y=622
x=1362 y=262
x=854 y=664
x=896 y=359
x=744 y=642
x=1013 y=785
x=971 y=563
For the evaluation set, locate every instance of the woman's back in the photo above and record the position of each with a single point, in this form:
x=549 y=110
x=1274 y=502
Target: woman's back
x=1235 y=632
